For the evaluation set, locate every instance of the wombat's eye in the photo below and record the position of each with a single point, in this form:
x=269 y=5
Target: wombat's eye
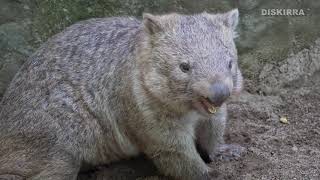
x=185 y=67
x=230 y=65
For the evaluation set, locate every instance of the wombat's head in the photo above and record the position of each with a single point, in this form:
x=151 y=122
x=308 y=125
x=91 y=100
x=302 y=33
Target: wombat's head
x=190 y=61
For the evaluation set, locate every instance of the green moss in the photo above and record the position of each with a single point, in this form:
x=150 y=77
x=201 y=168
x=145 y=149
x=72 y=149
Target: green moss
x=51 y=16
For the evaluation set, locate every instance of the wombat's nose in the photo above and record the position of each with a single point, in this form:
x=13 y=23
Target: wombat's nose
x=219 y=92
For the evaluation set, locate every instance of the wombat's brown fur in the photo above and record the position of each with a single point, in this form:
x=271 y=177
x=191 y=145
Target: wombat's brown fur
x=108 y=89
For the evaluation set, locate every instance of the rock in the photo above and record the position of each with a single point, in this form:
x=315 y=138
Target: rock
x=300 y=66
x=272 y=39
x=15 y=47
x=11 y=10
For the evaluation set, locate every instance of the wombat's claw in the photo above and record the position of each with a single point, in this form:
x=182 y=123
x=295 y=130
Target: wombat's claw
x=228 y=152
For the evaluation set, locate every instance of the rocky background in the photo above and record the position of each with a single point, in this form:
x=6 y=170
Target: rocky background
x=279 y=55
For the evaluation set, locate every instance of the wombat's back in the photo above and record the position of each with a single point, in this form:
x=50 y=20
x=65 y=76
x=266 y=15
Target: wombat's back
x=81 y=55
x=62 y=87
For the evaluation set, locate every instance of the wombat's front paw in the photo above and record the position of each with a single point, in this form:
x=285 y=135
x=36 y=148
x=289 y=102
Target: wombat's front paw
x=228 y=152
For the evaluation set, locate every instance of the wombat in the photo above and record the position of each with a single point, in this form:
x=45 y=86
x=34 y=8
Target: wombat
x=107 y=89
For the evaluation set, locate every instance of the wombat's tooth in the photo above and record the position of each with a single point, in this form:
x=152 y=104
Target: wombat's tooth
x=212 y=109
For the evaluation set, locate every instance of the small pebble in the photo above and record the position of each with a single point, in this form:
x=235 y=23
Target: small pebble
x=284 y=120
x=294 y=148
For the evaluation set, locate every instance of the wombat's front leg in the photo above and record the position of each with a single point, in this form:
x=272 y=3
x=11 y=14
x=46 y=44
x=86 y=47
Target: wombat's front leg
x=210 y=138
x=175 y=155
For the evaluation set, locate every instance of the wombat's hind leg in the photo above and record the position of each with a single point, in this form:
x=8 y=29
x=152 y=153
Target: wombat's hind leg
x=61 y=166
x=10 y=177
x=56 y=170
x=34 y=164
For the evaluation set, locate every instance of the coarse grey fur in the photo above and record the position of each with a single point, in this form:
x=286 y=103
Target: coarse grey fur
x=108 y=89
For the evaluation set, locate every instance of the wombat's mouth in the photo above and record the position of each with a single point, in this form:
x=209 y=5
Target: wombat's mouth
x=204 y=105
x=208 y=105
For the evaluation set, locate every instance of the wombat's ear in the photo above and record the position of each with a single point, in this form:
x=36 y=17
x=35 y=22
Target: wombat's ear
x=231 y=18
x=151 y=23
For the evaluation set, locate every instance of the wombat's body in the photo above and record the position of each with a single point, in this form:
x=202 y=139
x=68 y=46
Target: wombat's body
x=102 y=91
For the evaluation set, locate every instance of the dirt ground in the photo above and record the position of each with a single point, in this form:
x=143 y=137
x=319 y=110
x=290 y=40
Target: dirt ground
x=274 y=150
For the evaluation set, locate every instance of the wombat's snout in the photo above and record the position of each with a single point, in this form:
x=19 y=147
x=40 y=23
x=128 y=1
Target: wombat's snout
x=218 y=93
x=212 y=95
